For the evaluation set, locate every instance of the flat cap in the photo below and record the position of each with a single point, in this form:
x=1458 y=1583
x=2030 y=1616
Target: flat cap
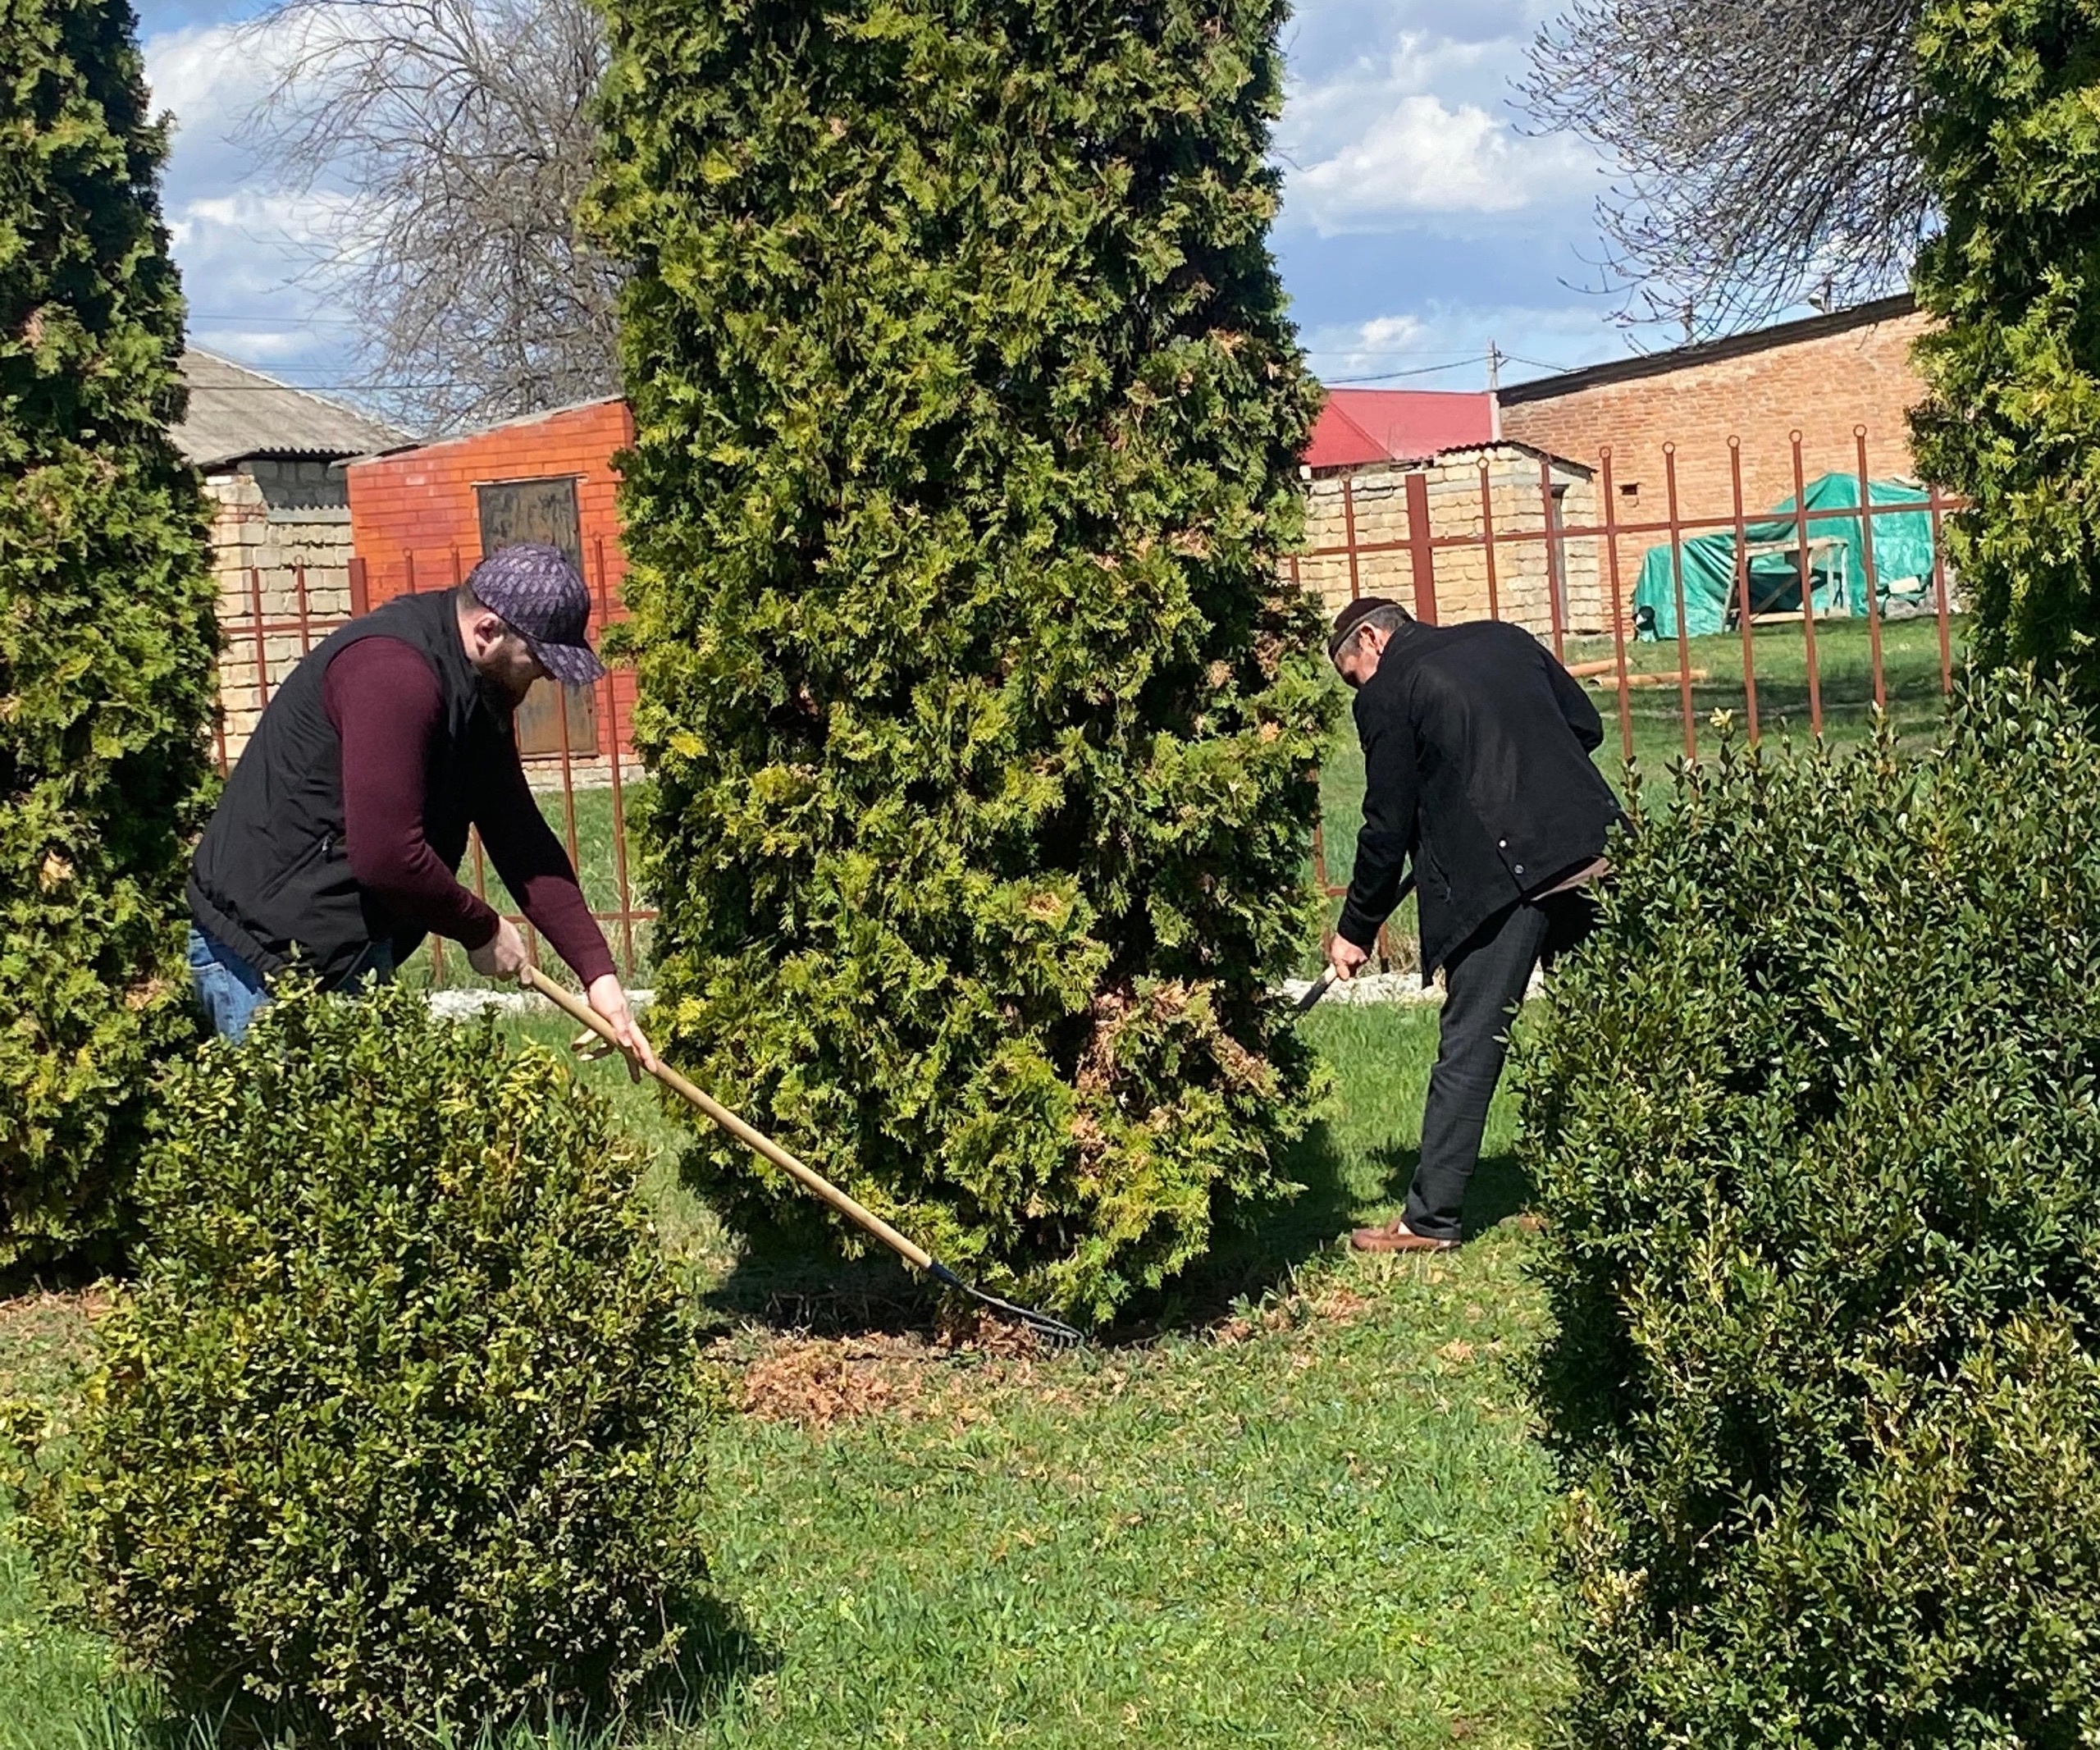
x=1353 y=616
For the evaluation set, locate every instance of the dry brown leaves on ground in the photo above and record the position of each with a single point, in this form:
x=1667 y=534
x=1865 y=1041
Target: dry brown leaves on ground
x=1336 y=1304
x=45 y=1337
x=818 y=1383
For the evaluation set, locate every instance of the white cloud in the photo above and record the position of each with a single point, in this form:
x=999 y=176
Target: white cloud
x=1383 y=345
x=1423 y=157
x=1401 y=113
x=1387 y=332
x=1324 y=113
x=272 y=217
x=209 y=73
x=244 y=243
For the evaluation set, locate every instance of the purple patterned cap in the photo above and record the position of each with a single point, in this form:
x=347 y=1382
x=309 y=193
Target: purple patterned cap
x=541 y=597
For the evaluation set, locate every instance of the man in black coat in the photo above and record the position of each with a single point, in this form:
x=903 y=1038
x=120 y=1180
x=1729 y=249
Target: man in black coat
x=1476 y=751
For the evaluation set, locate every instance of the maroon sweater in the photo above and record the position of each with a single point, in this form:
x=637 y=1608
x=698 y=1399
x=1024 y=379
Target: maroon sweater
x=384 y=703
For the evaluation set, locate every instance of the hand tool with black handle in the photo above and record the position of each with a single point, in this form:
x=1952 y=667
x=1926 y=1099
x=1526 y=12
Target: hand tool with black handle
x=1321 y=984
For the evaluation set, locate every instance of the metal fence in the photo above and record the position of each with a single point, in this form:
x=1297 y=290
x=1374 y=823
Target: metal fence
x=1778 y=669
x=1494 y=537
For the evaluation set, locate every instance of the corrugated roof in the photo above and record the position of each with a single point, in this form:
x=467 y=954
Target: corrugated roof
x=1357 y=426
x=235 y=412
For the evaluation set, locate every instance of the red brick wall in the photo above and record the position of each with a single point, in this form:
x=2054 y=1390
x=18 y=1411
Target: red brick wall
x=416 y=523
x=1823 y=386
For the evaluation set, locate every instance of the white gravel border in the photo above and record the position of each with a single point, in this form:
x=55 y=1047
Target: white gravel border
x=461 y=1005
x=1384 y=987
x=1366 y=987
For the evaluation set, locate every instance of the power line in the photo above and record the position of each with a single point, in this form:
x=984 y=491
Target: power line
x=1387 y=376
x=276 y=321
x=1398 y=352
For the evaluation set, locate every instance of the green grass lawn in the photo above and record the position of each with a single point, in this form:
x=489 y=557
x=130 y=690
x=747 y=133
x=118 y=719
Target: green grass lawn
x=589 y=839
x=1303 y=1509
x=1910 y=673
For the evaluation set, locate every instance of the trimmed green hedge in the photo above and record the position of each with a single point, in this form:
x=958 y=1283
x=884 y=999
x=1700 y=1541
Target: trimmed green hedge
x=106 y=627
x=984 y=726
x=1817 y=1120
x=399 y=1419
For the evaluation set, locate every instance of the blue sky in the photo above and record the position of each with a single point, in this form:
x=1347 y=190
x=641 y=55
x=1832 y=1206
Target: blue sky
x=1420 y=223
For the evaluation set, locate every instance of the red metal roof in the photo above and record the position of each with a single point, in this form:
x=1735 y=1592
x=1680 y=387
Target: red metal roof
x=1396 y=425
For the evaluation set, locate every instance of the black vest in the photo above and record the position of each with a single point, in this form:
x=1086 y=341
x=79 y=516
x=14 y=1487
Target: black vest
x=269 y=879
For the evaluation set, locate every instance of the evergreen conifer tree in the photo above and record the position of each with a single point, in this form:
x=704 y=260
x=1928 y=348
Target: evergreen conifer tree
x=106 y=625
x=984 y=724
x=2013 y=277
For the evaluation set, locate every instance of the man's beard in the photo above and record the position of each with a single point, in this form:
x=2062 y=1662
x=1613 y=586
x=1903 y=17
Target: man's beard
x=497 y=694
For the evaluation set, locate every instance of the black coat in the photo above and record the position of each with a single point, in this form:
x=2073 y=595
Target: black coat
x=1476 y=764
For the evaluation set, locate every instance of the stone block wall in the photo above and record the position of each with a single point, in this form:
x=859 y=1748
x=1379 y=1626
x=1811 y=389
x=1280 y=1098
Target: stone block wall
x=280 y=552
x=1511 y=578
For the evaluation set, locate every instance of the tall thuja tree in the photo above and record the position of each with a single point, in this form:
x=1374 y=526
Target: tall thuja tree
x=2012 y=143
x=106 y=628
x=985 y=727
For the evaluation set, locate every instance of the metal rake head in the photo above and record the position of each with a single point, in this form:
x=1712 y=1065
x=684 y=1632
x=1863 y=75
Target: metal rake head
x=1055 y=1332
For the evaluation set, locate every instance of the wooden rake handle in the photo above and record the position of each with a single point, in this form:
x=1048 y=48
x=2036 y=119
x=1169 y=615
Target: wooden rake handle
x=807 y=1177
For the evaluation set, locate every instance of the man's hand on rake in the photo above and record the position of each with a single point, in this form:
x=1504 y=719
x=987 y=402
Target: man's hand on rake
x=609 y=999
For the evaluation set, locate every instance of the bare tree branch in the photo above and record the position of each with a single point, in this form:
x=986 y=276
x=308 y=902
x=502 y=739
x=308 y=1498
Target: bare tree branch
x=1766 y=149
x=446 y=143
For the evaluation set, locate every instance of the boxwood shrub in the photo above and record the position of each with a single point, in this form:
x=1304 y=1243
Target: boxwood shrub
x=397 y=1421
x=1818 y=1129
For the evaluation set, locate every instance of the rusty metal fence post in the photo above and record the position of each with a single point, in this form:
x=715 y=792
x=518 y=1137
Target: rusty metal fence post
x=1422 y=553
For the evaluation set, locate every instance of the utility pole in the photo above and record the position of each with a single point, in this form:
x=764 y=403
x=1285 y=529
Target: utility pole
x=1493 y=392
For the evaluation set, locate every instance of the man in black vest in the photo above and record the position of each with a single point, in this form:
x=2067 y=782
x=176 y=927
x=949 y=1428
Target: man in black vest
x=336 y=845
x=1476 y=764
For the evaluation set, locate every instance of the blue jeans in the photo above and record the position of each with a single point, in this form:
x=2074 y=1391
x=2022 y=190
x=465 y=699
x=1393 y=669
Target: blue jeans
x=230 y=990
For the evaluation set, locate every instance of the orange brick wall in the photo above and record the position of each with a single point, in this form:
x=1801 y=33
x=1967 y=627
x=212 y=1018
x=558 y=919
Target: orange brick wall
x=416 y=523
x=1823 y=386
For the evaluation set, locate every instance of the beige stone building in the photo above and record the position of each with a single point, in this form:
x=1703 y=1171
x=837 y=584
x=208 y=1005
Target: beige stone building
x=280 y=526
x=1361 y=519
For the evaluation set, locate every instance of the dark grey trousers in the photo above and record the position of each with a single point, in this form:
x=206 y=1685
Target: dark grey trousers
x=1483 y=983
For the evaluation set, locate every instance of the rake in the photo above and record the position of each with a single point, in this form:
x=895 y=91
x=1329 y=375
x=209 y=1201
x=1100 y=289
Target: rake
x=1059 y=1334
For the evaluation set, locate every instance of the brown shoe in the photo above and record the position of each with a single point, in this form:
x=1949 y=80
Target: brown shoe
x=1397 y=1236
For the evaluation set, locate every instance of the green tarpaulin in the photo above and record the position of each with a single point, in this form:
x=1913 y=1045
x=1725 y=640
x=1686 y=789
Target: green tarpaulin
x=1902 y=556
